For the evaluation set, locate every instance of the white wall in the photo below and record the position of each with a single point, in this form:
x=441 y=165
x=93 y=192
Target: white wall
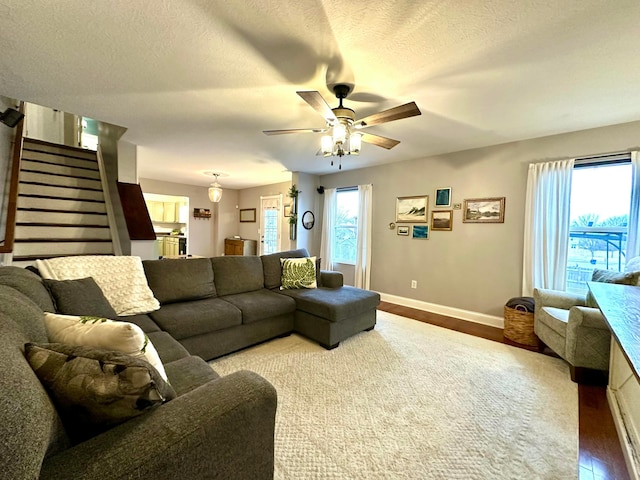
x=308 y=200
x=475 y=267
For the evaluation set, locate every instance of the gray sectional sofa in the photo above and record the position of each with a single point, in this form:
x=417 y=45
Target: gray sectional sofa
x=217 y=427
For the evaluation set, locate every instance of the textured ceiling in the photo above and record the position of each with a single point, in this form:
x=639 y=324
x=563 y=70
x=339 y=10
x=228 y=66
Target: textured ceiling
x=196 y=81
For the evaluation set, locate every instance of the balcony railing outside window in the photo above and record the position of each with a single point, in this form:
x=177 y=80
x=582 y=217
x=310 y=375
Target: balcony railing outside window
x=591 y=248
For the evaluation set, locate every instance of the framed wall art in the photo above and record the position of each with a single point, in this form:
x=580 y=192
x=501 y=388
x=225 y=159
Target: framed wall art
x=441 y=220
x=483 y=210
x=247 y=215
x=442 y=197
x=412 y=209
x=287 y=209
x=404 y=230
x=420 y=231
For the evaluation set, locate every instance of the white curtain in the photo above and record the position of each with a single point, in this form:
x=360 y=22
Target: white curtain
x=328 y=221
x=633 y=237
x=363 y=252
x=546 y=226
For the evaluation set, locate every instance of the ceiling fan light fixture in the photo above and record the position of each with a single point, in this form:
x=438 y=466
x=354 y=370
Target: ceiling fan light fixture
x=355 y=143
x=326 y=143
x=339 y=133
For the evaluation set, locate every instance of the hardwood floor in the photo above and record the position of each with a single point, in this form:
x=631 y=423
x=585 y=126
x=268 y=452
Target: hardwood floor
x=600 y=454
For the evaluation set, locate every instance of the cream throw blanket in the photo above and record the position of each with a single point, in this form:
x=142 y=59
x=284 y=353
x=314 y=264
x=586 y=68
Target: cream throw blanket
x=121 y=279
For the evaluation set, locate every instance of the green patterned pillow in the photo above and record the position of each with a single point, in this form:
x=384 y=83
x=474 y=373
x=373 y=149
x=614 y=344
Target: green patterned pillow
x=95 y=389
x=298 y=273
x=609 y=276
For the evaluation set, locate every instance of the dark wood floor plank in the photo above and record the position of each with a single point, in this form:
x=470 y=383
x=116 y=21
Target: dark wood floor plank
x=600 y=453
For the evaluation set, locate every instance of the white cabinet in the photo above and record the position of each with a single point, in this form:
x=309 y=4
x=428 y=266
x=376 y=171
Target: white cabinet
x=169 y=212
x=156 y=211
x=171 y=246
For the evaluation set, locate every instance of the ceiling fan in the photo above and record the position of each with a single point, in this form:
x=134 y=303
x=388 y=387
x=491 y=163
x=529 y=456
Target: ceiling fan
x=344 y=135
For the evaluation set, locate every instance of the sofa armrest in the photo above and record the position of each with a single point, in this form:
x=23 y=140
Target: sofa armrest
x=557 y=299
x=588 y=339
x=331 y=279
x=223 y=429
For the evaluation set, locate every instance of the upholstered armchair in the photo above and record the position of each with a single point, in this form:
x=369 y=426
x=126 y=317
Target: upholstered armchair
x=576 y=332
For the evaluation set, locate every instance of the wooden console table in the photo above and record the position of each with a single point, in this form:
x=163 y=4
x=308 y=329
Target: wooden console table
x=620 y=305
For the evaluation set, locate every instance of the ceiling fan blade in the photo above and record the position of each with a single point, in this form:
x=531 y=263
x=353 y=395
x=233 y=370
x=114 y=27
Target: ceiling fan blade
x=319 y=104
x=379 y=141
x=294 y=130
x=396 y=113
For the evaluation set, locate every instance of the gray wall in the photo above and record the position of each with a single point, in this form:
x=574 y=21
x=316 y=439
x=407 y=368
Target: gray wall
x=475 y=267
x=308 y=200
x=250 y=198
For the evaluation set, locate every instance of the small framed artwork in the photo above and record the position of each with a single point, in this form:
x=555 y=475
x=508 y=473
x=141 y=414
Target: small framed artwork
x=443 y=197
x=483 y=210
x=247 y=215
x=412 y=209
x=441 y=220
x=287 y=210
x=420 y=231
x=404 y=230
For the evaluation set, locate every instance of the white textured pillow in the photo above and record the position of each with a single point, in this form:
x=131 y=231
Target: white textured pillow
x=121 y=279
x=102 y=333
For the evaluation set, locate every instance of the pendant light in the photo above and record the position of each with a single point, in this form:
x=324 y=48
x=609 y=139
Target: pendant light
x=215 y=190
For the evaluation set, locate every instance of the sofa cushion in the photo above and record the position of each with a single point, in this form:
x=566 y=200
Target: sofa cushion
x=554 y=318
x=82 y=296
x=189 y=373
x=95 y=389
x=29 y=284
x=143 y=320
x=102 y=333
x=610 y=276
x=186 y=319
x=178 y=280
x=25 y=313
x=298 y=273
x=261 y=304
x=168 y=348
x=235 y=274
x=272 y=268
x=335 y=304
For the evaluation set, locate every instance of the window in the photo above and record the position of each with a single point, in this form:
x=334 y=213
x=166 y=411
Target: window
x=600 y=201
x=345 y=233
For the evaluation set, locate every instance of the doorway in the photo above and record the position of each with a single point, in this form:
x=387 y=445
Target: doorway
x=270 y=218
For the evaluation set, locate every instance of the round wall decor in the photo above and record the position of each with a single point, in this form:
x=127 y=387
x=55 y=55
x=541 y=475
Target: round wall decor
x=308 y=220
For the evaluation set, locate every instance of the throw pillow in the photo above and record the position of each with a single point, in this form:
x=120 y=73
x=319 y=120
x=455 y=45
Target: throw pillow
x=102 y=333
x=608 y=276
x=94 y=389
x=298 y=273
x=80 y=297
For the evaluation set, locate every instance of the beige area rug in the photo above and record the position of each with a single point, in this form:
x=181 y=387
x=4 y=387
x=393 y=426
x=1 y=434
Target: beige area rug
x=410 y=400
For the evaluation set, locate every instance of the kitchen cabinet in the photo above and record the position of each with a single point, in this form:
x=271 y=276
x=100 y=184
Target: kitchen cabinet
x=171 y=246
x=166 y=212
x=156 y=211
x=238 y=246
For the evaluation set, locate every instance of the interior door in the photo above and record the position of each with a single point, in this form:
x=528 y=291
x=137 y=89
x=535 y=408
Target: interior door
x=270 y=223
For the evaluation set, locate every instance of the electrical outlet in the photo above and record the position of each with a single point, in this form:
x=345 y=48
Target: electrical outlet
x=414 y=284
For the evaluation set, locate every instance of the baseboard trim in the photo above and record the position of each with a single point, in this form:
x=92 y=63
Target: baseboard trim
x=618 y=421
x=468 y=315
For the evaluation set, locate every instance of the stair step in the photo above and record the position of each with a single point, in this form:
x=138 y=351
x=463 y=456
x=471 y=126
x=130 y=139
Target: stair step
x=43 y=146
x=41 y=167
x=40 y=249
x=60 y=192
x=24 y=216
x=90 y=164
x=60 y=180
x=31 y=232
x=26 y=260
x=47 y=203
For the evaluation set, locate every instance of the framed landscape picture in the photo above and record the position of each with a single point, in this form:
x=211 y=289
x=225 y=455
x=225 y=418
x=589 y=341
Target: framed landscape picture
x=483 y=210
x=420 y=231
x=412 y=209
x=443 y=197
x=441 y=220
x=403 y=230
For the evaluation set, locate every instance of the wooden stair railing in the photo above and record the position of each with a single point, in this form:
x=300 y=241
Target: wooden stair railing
x=12 y=206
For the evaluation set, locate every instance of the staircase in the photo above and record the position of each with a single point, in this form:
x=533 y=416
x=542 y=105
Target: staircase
x=61 y=204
